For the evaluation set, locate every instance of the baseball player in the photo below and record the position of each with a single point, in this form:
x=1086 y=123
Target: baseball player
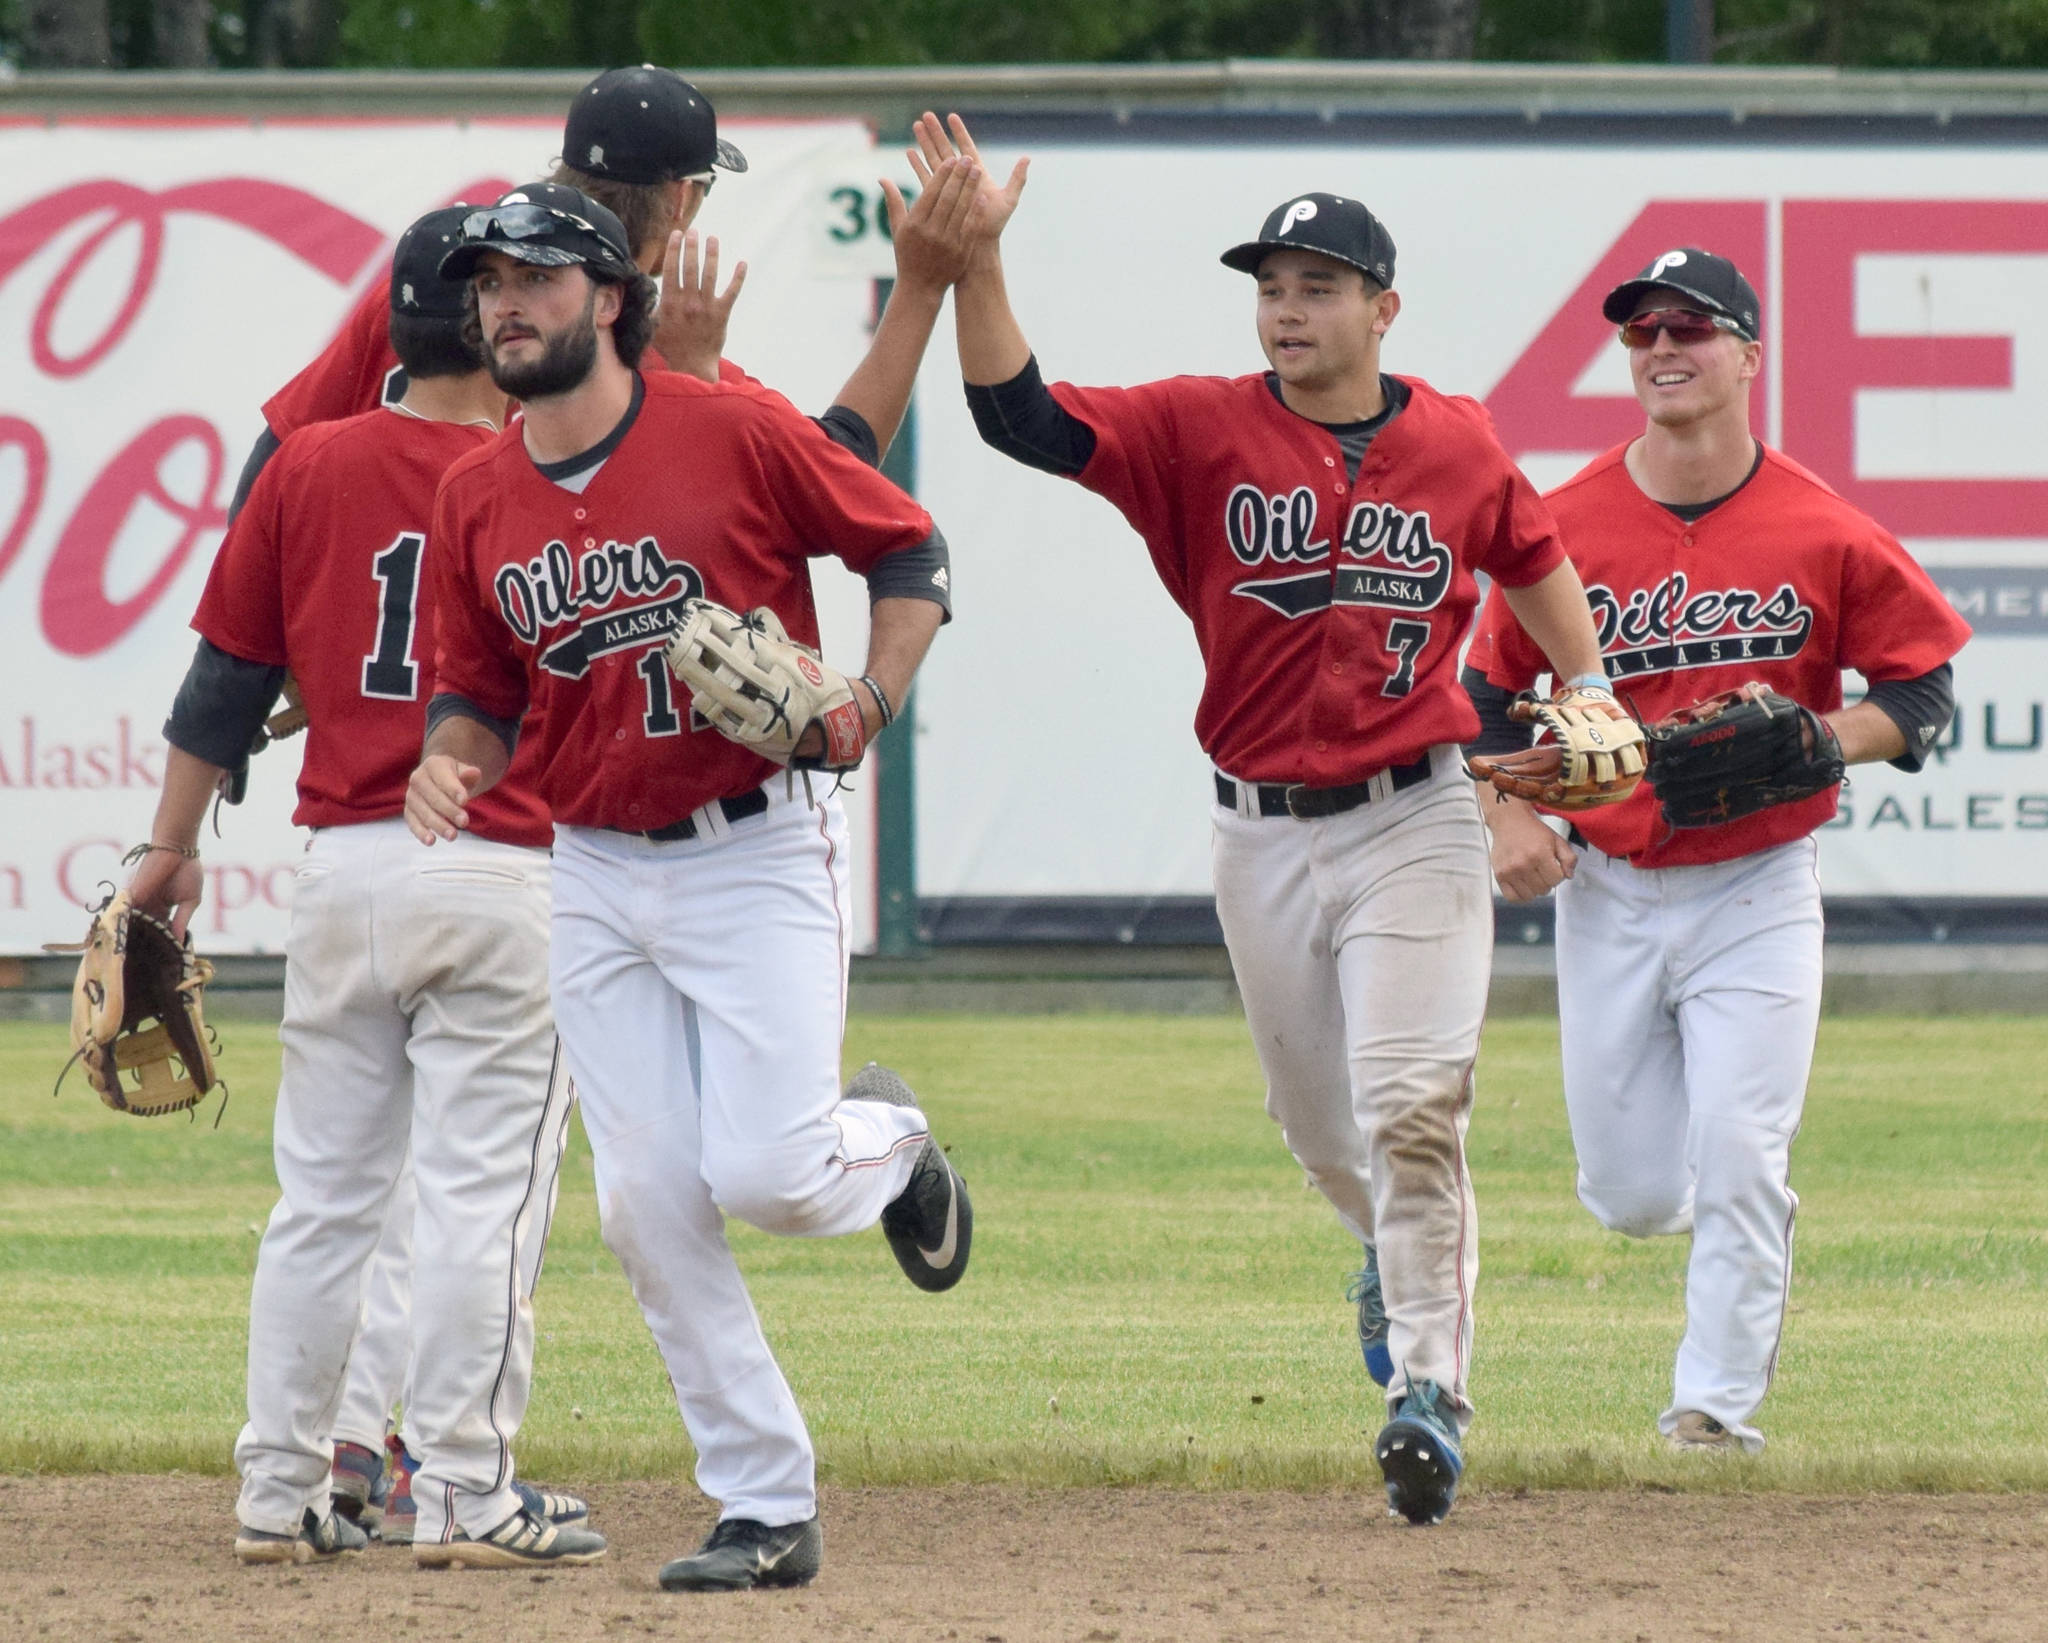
x=652 y=141
x=698 y=950
x=1689 y=961
x=1320 y=523
x=644 y=143
x=415 y=993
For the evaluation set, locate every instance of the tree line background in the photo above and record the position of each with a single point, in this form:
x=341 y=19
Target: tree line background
x=127 y=34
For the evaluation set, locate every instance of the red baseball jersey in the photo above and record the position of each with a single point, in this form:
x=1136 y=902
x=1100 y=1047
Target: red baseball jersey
x=323 y=573
x=564 y=600
x=1784 y=583
x=1329 y=614
x=348 y=376
x=351 y=373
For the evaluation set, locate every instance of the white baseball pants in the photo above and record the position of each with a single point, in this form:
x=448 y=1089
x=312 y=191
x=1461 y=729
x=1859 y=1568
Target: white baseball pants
x=700 y=988
x=1689 y=998
x=383 y=1351
x=378 y=1364
x=415 y=1009
x=1363 y=946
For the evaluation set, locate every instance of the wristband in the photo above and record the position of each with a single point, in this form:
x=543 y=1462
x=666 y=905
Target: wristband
x=1590 y=681
x=881 y=700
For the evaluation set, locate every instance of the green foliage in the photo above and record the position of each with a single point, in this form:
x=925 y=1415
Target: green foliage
x=1156 y=1296
x=823 y=33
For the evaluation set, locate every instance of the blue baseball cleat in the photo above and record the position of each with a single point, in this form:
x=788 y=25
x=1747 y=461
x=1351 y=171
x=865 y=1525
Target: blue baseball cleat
x=1372 y=1318
x=1419 y=1456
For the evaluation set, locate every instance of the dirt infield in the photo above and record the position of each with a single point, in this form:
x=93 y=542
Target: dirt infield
x=123 y=1560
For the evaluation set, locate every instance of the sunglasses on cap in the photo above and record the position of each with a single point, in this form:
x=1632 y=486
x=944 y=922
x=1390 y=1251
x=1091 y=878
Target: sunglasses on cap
x=1684 y=326
x=703 y=179
x=522 y=220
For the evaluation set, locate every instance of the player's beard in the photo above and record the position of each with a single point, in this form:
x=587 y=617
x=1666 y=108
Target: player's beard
x=564 y=364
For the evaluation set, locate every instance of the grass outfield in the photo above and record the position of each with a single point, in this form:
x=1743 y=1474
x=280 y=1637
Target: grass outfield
x=1156 y=1295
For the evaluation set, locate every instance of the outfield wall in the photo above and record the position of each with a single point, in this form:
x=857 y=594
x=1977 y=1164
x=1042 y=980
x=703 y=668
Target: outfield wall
x=158 y=278
x=1907 y=364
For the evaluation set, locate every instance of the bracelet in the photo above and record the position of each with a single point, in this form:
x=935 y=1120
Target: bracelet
x=881 y=700
x=142 y=850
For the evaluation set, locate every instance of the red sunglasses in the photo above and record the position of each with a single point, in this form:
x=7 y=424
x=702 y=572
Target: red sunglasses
x=1684 y=326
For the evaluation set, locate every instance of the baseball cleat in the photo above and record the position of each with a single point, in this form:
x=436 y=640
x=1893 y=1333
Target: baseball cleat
x=742 y=1553
x=1695 y=1433
x=930 y=1223
x=1419 y=1456
x=521 y=1541
x=319 y=1540
x=1372 y=1318
x=361 y=1484
x=557 y=1508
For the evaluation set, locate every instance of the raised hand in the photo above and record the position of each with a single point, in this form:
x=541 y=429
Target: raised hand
x=689 y=326
x=994 y=203
x=933 y=238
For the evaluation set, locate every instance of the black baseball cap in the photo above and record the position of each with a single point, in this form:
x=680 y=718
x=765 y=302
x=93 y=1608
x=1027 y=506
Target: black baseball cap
x=547 y=223
x=417 y=284
x=1715 y=283
x=645 y=125
x=1328 y=223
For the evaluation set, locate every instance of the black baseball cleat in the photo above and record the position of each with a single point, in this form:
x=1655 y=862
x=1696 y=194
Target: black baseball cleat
x=318 y=1540
x=1419 y=1456
x=742 y=1554
x=930 y=1223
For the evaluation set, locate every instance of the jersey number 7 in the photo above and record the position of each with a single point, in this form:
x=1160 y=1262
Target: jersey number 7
x=1405 y=640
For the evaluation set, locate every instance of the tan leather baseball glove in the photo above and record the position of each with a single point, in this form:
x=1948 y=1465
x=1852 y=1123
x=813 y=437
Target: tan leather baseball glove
x=1591 y=754
x=757 y=686
x=136 y=1021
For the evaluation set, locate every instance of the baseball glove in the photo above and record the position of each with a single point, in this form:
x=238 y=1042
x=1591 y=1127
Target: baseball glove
x=136 y=972
x=1594 y=754
x=757 y=686
x=1734 y=754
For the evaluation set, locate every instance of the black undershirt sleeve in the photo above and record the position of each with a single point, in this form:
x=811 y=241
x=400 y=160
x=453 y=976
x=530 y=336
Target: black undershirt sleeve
x=846 y=427
x=445 y=704
x=1498 y=733
x=1021 y=419
x=920 y=572
x=261 y=452
x=1922 y=708
x=221 y=705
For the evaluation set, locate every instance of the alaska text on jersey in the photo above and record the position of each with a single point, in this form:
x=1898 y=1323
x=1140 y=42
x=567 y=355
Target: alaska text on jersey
x=554 y=588
x=1668 y=626
x=1398 y=563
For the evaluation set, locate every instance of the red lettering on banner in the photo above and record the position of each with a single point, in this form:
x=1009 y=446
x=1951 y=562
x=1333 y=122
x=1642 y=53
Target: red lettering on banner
x=321 y=234
x=68 y=860
x=78 y=618
x=35 y=455
x=1826 y=359
x=1533 y=406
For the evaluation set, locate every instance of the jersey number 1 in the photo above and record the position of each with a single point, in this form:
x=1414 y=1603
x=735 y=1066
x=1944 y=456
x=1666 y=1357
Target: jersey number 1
x=389 y=672
x=1405 y=640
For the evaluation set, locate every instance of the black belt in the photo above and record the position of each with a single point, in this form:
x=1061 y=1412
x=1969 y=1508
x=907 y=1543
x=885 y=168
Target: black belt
x=1308 y=803
x=739 y=809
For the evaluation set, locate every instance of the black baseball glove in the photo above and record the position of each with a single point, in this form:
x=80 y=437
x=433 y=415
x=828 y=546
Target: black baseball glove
x=1734 y=754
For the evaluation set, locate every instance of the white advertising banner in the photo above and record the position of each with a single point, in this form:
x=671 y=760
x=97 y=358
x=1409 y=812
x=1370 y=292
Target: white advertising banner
x=1907 y=364
x=158 y=282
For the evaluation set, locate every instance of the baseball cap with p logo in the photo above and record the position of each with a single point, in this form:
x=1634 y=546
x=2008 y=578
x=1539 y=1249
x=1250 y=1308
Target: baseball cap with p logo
x=1339 y=228
x=645 y=125
x=1715 y=283
x=548 y=224
x=417 y=285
